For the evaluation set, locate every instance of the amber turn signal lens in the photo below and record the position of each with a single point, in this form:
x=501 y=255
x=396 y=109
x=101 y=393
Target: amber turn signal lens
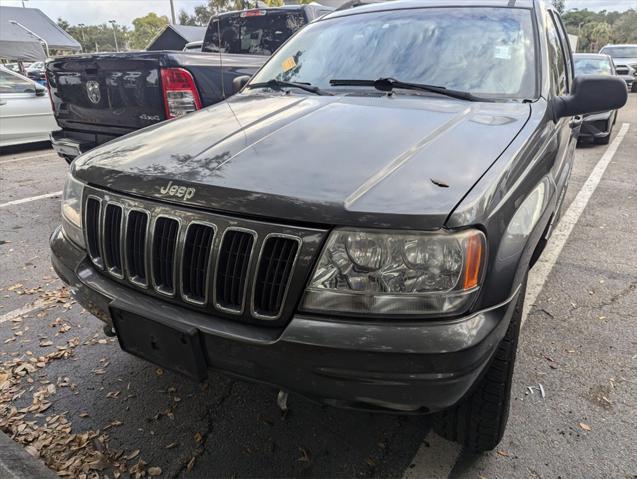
x=473 y=261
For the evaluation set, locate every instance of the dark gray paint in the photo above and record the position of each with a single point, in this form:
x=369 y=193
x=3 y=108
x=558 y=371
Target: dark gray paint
x=357 y=161
x=330 y=160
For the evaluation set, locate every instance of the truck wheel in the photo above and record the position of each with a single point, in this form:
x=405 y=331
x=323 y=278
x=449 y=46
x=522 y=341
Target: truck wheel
x=478 y=421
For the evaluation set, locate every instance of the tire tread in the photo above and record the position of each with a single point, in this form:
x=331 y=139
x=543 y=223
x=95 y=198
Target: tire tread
x=479 y=420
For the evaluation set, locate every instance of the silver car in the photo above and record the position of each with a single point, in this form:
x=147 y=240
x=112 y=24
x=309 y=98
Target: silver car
x=625 y=59
x=26 y=115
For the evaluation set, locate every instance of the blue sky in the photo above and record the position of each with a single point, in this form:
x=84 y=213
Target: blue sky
x=124 y=11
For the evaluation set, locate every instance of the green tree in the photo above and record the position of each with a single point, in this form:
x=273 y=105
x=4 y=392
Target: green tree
x=204 y=12
x=63 y=24
x=596 y=35
x=625 y=28
x=145 y=29
x=97 y=37
x=184 y=19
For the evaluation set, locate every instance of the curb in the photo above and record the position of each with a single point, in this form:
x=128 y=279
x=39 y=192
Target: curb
x=16 y=463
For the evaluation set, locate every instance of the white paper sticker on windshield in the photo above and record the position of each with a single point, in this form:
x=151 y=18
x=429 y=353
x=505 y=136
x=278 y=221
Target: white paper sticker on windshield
x=503 y=52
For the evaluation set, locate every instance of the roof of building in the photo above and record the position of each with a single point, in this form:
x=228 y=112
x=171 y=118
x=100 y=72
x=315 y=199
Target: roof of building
x=189 y=33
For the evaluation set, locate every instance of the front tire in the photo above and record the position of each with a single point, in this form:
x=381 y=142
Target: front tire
x=478 y=421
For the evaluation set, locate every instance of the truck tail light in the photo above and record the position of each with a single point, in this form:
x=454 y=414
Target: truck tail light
x=180 y=92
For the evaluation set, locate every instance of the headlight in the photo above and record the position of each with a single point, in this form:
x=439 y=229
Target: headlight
x=396 y=273
x=72 y=210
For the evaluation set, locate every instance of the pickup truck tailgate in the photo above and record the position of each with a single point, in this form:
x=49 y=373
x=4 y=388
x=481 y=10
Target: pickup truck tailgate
x=93 y=92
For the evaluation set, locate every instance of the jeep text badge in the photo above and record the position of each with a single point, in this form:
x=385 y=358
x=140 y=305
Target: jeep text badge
x=179 y=191
x=93 y=91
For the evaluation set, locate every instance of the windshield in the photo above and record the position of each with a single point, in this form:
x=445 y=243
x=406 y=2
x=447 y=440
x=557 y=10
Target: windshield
x=620 y=52
x=593 y=66
x=486 y=51
x=256 y=32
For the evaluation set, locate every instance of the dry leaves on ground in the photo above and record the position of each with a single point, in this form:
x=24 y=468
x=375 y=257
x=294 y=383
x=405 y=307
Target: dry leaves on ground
x=84 y=455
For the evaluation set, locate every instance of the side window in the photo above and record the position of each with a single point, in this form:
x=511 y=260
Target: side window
x=10 y=83
x=566 y=47
x=557 y=66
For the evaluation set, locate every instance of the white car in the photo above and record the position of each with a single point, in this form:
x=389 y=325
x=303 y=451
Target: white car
x=26 y=115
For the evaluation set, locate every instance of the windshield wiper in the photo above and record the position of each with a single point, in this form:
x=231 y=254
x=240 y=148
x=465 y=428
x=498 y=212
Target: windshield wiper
x=388 y=85
x=278 y=84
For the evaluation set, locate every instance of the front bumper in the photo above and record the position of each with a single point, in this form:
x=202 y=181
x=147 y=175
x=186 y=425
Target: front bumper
x=629 y=79
x=397 y=366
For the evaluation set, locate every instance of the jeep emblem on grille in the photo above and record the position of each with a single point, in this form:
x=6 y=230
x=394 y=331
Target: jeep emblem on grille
x=93 y=91
x=179 y=191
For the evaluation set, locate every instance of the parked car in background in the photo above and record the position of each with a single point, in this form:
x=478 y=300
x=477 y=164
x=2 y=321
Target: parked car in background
x=25 y=110
x=596 y=126
x=37 y=73
x=14 y=67
x=357 y=224
x=625 y=59
x=193 y=46
x=99 y=97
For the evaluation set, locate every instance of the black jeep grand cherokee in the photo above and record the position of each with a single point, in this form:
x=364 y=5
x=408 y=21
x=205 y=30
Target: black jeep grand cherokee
x=356 y=224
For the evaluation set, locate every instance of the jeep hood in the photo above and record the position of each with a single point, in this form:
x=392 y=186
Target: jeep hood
x=402 y=161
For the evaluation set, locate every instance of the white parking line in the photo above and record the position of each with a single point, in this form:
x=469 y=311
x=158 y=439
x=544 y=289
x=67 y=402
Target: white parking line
x=32 y=198
x=434 y=459
x=438 y=457
x=26 y=309
x=25 y=158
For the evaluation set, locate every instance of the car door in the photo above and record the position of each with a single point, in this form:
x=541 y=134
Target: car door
x=561 y=73
x=25 y=115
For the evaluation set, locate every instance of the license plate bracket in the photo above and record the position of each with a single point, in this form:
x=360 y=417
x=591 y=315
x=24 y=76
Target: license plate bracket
x=175 y=347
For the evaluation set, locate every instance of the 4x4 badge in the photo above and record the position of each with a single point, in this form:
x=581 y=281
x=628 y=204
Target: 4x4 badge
x=93 y=91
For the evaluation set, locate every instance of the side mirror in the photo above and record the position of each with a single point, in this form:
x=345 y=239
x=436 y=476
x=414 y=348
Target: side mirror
x=239 y=82
x=591 y=94
x=39 y=90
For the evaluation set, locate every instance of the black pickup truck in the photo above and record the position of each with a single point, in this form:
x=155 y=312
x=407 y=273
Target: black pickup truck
x=99 y=97
x=357 y=224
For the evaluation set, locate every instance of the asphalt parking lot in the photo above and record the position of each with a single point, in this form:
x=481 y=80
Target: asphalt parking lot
x=574 y=407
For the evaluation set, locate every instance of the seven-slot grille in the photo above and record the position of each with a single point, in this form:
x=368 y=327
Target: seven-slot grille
x=197 y=262
x=232 y=268
x=136 y=246
x=164 y=254
x=112 y=233
x=277 y=260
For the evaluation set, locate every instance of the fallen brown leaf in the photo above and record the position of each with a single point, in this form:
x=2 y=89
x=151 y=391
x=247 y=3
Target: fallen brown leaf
x=154 y=471
x=305 y=457
x=132 y=455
